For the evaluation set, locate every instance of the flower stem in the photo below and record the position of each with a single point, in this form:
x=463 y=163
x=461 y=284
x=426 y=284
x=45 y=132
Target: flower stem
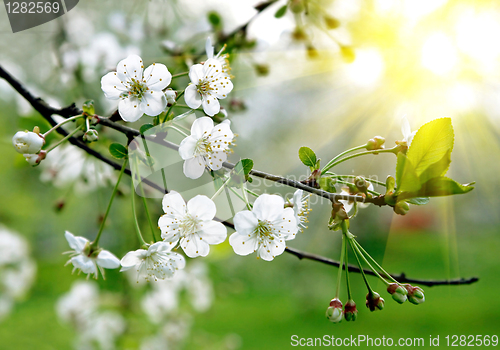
x=354 y=176
x=151 y=226
x=221 y=188
x=339 y=274
x=178 y=130
x=95 y=243
x=251 y=192
x=62 y=123
x=328 y=165
x=164 y=180
x=355 y=244
x=65 y=138
x=179 y=75
x=332 y=163
x=375 y=262
x=360 y=268
x=137 y=228
x=348 y=283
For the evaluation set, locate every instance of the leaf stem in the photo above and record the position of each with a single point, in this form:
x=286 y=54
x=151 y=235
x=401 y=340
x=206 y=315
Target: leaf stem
x=331 y=164
x=136 y=223
x=65 y=138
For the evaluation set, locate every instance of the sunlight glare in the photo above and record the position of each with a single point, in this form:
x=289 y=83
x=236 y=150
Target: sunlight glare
x=367 y=68
x=439 y=54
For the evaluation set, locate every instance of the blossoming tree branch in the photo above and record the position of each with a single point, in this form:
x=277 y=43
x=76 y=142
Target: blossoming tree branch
x=268 y=222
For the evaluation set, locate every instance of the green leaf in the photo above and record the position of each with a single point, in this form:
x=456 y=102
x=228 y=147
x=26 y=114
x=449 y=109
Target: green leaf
x=281 y=11
x=243 y=168
x=118 y=151
x=145 y=128
x=443 y=186
x=406 y=177
x=307 y=156
x=430 y=145
x=419 y=200
x=437 y=169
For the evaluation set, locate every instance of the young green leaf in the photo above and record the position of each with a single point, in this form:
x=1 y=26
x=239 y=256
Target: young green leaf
x=437 y=169
x=118 y=151
x=430 y=145
x=443 y=186
x=307 y=156
x=419 y=200
x=243 y=168
x=406 y=177
x=145 y=128
x=281 y=11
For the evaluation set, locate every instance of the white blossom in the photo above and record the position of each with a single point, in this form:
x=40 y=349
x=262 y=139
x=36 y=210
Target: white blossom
x=207 y=146
x=406 y=130
x=264 y=229
x=157 y=262
x=28 y=142
x=208 y=85
x=191 y=224
x=170 y=95
x=301 y=208
x=139 y=90
x=79 y=304
x=89 y=262
x=223 y=58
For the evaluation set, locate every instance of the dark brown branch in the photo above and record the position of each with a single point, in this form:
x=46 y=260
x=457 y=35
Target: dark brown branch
x=400 y=278
x=47 y=112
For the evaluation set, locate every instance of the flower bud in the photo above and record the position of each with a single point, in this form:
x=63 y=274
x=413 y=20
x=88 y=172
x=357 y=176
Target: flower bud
x=398 y=292
x=27 y=142
x=361 y=184
x=415 y=294
x=297 y=6
x=374 y=301
x=350 y=311
x=35 y=159
x=88 y=108
x=401 y=208
x=376 y=143
x=171 y=96
x=91 y=135
x=334 y=311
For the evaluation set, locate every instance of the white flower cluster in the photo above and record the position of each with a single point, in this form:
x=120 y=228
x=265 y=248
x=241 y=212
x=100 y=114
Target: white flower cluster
x=16 y=268
x=80 y=308
x=144 y=91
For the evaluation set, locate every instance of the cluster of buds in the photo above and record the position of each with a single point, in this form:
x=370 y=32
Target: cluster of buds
x=403 y=292
x=415 y=294
x=335 y=313
x=376 y=143
x=29 y=144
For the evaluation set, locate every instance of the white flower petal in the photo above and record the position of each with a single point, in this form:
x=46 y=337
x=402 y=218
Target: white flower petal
x=201 y=127
x=243 y=244
x=131 y=259
x=196 y=73
x=129 y=109
x=222 y=87
x=245 y=222
x=405 y=128
x=216 y=159
x=286 y=224
x=112 y=86
x=107 y=260
x=210 y=104
x=157 y=77
x=194 y=247
x=174 y=204
x=194 y=167
x=192 y=97
x=211 y=69
x=201 y=207
x=85 y=264
x=153 y=102
x=213 y=232
x=130 y=67
x=187 y=147
x=268 y=207
x=76 y=243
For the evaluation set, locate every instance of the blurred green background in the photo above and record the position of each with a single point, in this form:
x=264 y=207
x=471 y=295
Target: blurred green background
x=416 y=58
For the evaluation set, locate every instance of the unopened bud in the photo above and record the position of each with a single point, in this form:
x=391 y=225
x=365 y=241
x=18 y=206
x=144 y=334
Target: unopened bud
x=415 y=294
x=401 y=208
x=88 y=108
x=35 y=159
x=334 y=311
x=91 y=135
x=27 y=142
x=376 y=143
x=361 y=184
x=350 y=311
x=170 y=95
x=398 y=292
x=374 y=301
x=297 y=6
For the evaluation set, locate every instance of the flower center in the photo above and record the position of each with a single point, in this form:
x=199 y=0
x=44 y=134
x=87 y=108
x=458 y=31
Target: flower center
x=204 y=87
x=203 y=147
x=136 y=88
x=264 y=230
x=189 y=225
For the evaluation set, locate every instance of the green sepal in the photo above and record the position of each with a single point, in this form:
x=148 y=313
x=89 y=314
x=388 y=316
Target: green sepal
x=88 y=107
